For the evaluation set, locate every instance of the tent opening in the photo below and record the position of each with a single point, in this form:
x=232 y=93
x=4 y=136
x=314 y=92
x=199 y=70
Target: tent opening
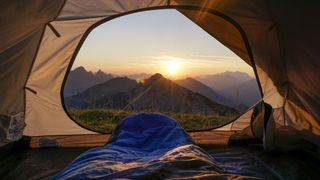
x=157 y=61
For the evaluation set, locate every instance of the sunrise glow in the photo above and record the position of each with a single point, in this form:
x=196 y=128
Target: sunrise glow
x=172 y=67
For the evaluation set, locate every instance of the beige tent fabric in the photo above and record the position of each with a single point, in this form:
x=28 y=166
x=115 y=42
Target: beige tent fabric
x=79 y=9
x=302 y=121
x=241 y=123
x=45 y=114
x=20 y=31
x=15 y=64
x=270 y=92
x=21 y=25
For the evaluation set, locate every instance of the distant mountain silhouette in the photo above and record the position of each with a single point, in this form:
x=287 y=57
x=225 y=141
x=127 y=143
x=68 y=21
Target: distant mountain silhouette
x=224 y=80
x=246 y=93
x=233 y=89
x=238 y=87
x=108 y=89
x=80 y=79
x=198 y=87
x=154 y=94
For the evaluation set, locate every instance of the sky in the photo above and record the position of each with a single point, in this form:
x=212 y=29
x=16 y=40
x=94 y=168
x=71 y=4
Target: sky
x=157 y=41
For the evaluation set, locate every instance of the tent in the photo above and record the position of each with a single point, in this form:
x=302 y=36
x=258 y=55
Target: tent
x=39 y=41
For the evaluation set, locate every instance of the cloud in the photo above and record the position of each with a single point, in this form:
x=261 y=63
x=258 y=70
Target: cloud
x=197 y=61
x=215 y=57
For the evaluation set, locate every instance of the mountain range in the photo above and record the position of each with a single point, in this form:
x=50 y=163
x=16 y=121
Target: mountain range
x=237 y=87
x=246 y=93
x=225 y=80
x=80 y=79
x=153 y=94
x=198 y=87
x=233 y=89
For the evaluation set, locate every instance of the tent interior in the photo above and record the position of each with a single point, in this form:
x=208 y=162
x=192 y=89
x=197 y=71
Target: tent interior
x=277 y=138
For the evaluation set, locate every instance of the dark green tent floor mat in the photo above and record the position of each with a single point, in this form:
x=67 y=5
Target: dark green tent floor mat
x=245 y=160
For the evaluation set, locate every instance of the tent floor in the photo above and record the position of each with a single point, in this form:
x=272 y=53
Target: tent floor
x=243 y=160
x=252 y=160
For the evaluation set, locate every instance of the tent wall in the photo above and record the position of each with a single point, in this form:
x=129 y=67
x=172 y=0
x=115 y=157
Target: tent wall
x=44 y=111
x=82 y=9
x=282 y=38
x=21 y=25
x=298 y=26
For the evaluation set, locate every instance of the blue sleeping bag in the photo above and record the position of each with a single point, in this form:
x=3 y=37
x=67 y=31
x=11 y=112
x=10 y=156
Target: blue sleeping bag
x=143 y=146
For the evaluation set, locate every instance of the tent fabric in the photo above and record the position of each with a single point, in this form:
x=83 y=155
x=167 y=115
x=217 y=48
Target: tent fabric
x=145 y=145
x=278 y=38
x=262 y=21
x=21 y=27
x=46 y=79
x=82 y=9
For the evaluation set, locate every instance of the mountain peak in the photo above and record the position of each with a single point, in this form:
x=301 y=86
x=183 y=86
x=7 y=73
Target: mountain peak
x=80 y=79
x=243 y=76
x=190 y=79
x=155 y=77
x=100 y=72
x=80 y=69
x=152 y=79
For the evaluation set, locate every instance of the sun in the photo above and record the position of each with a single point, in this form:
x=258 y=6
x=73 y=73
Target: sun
x=172 y=68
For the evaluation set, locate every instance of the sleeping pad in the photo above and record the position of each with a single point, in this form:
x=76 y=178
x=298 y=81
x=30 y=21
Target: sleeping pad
x=146 y=146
